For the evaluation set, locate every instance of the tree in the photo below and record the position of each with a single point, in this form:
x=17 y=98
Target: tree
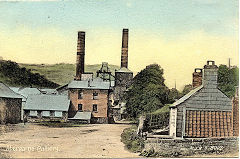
x=148 y=91
x=228 y=79
x=174 y=94
x=187 y=88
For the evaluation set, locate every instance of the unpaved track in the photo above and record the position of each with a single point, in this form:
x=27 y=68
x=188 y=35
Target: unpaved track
x=87 y=141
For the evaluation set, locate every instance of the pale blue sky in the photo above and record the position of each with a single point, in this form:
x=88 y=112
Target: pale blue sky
x=180 y=35
x=168 y=17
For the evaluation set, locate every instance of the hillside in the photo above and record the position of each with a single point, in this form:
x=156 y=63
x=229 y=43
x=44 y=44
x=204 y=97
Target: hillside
x=14 y=75
x=62 y=73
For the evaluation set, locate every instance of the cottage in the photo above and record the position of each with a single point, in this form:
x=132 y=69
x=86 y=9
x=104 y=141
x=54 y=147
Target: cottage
x=10 y=105
x=44 y=106
x=203 y=112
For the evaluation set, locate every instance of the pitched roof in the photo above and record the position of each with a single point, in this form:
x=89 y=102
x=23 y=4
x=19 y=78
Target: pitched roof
x=48 y=91
x=90 y=84
x=28 y=91
x=82 y=116
x=6 y=92
x=188 y=95
x=47 y=102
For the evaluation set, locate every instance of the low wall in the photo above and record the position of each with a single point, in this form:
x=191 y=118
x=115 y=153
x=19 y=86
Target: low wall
x=186 y=147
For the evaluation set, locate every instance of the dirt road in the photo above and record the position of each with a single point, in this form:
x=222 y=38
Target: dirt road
x=87 y=141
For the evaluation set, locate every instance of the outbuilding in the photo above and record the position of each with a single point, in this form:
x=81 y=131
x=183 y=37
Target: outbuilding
x=203 y=112
x=44 y=106
x=10 y=105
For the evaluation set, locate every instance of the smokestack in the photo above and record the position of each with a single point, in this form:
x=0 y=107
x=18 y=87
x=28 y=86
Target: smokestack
x=80 y=55
x=197 y=77
x=210 y=75
x=124 y=55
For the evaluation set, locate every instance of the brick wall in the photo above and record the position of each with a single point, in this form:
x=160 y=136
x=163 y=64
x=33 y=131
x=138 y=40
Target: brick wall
x=235 y=117
x=87 y=101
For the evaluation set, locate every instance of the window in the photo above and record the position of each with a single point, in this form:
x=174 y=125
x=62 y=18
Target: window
x=80 y=94
x=95 y=107
x=79 y=107
x=52 y=113
x=95 y=95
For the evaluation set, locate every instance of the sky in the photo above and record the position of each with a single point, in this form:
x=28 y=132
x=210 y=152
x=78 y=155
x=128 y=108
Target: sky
x=177 y=35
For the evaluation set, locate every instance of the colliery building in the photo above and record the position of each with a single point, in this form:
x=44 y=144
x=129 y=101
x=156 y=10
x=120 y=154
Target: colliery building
x=203 y=112
x=46 y=107
x=98 y=96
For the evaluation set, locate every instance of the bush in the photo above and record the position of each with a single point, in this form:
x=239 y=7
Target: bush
x=131 y=140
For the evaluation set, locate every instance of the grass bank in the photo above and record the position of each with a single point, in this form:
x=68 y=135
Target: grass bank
x=132 y=141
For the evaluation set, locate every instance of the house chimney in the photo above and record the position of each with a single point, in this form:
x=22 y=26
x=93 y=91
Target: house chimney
x=80 y=55
x=210 y=75
x=124 y=55
x=197 y=77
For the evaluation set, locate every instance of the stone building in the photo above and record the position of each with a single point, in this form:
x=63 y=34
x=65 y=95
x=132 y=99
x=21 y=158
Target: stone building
x=10 y=105
x=203 y=112
x=123 y=80
x=52 y=107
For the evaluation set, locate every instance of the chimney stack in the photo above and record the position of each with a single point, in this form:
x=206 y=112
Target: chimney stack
x=80 y=55
x=124 y=55
x=197 y=77
x=210 y=75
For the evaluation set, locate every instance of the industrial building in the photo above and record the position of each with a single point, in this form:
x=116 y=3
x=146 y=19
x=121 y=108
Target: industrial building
x=10 y=105
x=43 y=106
x=101 y=96
x=203 y=112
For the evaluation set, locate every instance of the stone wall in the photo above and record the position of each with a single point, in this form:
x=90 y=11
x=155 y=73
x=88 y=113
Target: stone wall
x=186 y=147
x=10 y=110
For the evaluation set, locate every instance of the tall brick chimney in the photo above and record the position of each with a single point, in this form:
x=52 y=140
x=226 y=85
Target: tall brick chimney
x=197 y=77
x=80 y=55
x=124 y=55
x=210 y=75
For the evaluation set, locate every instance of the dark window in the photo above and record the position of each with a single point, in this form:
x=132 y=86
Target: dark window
x=95 y=107
x=95 y=95
x=79 y=107
x=80 y=94
x=52 y=113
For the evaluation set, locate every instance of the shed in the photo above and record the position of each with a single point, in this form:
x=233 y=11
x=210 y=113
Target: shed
x=203 y=112
x=10 y=105
x=47 y=106
x=82 y=116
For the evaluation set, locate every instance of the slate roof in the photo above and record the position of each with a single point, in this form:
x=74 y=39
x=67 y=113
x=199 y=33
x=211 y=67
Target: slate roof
x=28 y=91
x=188 y=95
x=47 y=102
x=48 y=91
x=90 y=84
x=82 y=116
x=123 y=69
x=6 y=92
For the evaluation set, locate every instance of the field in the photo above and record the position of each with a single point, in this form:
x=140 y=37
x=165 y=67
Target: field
x=62 y=73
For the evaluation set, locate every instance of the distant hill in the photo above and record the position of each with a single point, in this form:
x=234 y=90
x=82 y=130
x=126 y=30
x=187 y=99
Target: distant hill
x=14 y=75
x=62 y=73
